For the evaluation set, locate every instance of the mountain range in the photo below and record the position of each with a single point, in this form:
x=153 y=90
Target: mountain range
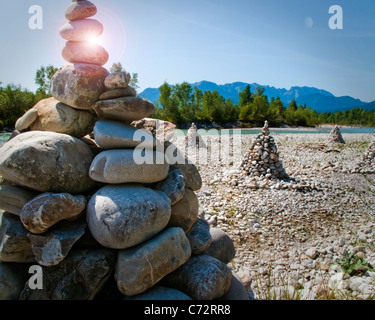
x=318 y=99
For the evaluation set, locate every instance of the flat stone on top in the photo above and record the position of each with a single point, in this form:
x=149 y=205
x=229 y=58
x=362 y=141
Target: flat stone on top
x=80 y=10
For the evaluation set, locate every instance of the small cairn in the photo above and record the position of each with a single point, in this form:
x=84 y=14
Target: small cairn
x=193 y=139
x=262 y=159
x=335 y=136
x=91 y=202
x=367 y=162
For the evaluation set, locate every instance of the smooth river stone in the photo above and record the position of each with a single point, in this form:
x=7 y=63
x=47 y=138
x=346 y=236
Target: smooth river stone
x=161 y=294
x=124 y=216
x=161 y=130
x=193 y=179
x=85 y=52
x=12 y=199
x=12 y=280
x=126 y=109
x=79 y=85
x=118 y=93
x=15 y=245
x=81 y=30
x=173 y=186
x=199 y=236
x=140 y=268
x=201 y=278
x=119 y=166
x=117 y=135
x=47 y=161
x=80 y=10
x=222 y=246
x=55 y=116
x=47 y=209
x=52 y=247
x=185 y=212
x=117 y=80
x=80 y=276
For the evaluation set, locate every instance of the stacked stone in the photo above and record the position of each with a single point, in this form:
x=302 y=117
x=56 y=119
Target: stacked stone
x=367 y=162
x=262 y=159
x=91 y=216
x=335 y=136
x=193 y=139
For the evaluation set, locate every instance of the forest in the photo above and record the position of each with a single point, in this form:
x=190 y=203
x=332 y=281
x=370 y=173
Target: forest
x=182 y=104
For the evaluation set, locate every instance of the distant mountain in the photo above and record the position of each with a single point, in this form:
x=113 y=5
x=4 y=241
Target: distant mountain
x=369 y=106
x=320 y=100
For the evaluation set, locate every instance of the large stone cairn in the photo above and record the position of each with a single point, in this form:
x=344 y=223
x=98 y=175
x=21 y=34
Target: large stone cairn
x=98 y=223
x=335 y=136
x=262 y=160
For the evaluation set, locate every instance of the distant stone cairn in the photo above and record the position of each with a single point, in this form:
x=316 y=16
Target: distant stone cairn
x=262 y=159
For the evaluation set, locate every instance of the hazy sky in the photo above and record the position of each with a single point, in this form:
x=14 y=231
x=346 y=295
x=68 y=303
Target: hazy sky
x=281 y=43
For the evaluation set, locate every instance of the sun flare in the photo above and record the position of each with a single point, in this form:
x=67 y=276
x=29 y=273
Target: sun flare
x=92 y=39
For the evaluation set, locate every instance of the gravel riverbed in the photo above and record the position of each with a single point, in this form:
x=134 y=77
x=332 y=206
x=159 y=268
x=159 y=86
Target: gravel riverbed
x=290 y=233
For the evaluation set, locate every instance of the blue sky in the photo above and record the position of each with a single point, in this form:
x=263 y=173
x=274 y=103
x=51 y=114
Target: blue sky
x=281 y=43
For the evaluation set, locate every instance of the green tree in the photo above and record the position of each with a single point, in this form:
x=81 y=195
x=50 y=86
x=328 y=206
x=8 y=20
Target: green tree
x=290 y=112
x=14 y=102
x=245 y=96
x=134 y=81
x=276 y=112
x=116 y=67
x=43 y=78
x=169 y=104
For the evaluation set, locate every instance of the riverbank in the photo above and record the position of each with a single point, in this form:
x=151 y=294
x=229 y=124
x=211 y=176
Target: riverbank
x=289 y=235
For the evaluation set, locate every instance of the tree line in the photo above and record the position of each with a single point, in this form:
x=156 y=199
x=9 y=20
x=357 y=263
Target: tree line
x=182 y=104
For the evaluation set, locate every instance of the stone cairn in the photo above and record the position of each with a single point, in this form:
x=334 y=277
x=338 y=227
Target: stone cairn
x=367 y=163
x=83 y=213
x=262 y=160
x=335 y=136
x=193 y=139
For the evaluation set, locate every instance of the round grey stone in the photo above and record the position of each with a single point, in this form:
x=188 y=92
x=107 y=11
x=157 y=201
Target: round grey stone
x=120 y=166
x=79 y=85
x=140 y=268
x=123 y=216
x=47 y=161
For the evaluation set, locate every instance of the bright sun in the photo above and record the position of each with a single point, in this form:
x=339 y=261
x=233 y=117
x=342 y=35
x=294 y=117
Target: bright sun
x=93 y=40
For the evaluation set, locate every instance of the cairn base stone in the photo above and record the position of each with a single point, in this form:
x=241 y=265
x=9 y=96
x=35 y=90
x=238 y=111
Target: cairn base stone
x=47 y=209
x=201 y=278
x=12 y=199
x=80 y=276
x=15 y=245
x=124 y=216
x=52 y=115
x=47 y=162
x=140 y=268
